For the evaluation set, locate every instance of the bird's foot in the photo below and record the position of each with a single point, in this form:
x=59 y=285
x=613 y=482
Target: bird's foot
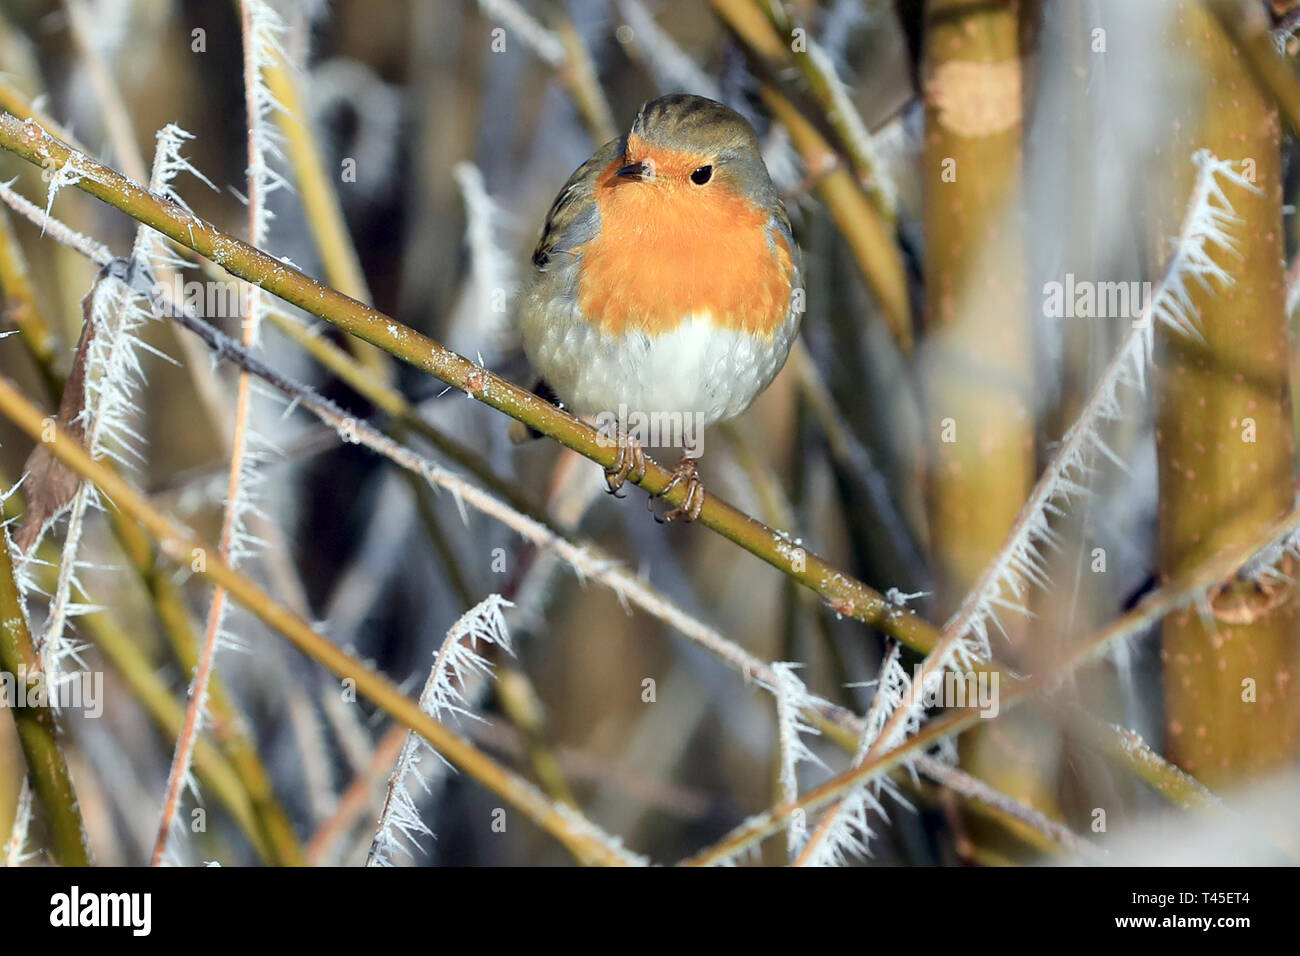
x=692 y=503
x=630 y=463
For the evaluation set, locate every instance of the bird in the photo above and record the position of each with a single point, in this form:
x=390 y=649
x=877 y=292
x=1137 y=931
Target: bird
x=665 y=286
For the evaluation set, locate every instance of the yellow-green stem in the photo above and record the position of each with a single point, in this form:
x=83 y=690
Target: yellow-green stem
x=844 y=594
x=34 y=720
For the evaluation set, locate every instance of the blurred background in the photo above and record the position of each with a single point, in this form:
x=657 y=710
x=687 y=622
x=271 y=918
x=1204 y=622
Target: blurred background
x=943 y=163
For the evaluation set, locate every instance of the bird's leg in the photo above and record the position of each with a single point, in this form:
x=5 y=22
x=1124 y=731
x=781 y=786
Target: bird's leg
x=630 y=461
x=692 y=503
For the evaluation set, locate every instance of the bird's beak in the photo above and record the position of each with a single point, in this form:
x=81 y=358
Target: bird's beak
x=637 y=172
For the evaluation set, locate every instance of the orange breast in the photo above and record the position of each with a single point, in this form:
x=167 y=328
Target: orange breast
x=670 y=249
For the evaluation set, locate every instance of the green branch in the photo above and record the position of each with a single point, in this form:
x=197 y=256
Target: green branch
x=37 y=732
x=842 y=592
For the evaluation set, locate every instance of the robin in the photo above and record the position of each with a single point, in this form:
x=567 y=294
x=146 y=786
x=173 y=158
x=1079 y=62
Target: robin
x=664 y=283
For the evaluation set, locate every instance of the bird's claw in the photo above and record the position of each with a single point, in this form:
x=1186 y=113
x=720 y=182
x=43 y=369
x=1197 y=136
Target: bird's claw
x=693 y=501
x=630 y=461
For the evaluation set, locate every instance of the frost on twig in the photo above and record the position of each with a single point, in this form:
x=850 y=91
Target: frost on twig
x=1019 y=564
x=845 y=831
x=792 y=699
x=458 y=670
x=99 y=407
x=12 y=852
x=69 y=174
x=263 y=50
x=61 y=232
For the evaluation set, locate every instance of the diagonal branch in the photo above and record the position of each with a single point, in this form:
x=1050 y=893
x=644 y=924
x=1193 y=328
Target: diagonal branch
x=843 y=593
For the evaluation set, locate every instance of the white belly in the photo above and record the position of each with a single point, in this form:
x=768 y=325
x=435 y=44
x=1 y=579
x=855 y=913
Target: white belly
x=695 y=369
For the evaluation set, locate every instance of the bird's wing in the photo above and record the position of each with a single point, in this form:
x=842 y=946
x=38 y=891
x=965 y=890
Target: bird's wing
x=779 y=223
x=574 y=217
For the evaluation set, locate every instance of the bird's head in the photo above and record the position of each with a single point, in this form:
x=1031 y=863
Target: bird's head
x=696 y=150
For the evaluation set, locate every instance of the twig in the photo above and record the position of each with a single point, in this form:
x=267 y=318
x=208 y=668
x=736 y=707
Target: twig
x=261 y=27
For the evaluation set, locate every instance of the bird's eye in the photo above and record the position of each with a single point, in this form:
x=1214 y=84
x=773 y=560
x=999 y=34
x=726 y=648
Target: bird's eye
x=702 y=175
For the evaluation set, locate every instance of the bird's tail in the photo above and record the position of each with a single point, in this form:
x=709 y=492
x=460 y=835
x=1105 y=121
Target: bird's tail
x=521 y=433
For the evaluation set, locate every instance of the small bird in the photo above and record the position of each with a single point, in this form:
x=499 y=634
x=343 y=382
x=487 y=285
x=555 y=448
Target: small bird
x=664 y=283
